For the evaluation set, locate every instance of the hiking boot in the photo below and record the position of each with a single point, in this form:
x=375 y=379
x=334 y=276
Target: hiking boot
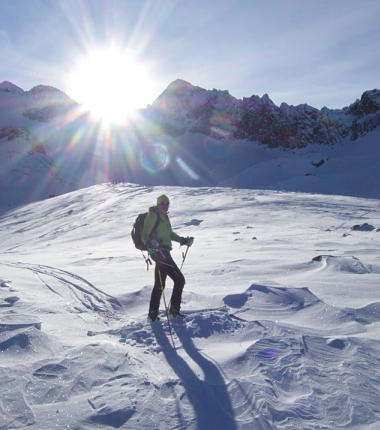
x=174 y=312
x=153 y=315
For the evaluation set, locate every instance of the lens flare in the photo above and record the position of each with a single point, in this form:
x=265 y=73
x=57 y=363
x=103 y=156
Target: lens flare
x=155 y=157
x=187 y=169
x=270 y=353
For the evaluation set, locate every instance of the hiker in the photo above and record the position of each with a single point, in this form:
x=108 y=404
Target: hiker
x=157 y=235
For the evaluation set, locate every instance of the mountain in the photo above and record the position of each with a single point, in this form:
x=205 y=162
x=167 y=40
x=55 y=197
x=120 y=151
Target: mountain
x=42 y=103
x=29 y=169
x=183 y=107
x=26 y=167
x=189 y=136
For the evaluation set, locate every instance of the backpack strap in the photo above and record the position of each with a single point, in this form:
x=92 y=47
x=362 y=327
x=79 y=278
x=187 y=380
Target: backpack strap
x=156 y=223
x=147 y=259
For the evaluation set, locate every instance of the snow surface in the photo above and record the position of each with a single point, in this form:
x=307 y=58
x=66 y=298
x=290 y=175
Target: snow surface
x=282 y=327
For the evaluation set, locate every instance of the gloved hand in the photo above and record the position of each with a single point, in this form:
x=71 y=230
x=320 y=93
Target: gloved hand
x=152 y=246
x=186 y=241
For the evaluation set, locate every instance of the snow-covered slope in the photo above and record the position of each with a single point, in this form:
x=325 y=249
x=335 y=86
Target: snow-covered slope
x=33 y=109
x=27 y=173
x=282 y=327
x=194 y=137
x=29 y=164
x=345 y=169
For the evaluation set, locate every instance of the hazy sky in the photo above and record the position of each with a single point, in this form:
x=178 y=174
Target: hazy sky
x=319 y=52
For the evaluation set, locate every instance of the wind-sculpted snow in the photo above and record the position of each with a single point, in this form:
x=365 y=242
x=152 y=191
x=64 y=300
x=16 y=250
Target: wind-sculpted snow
x=72 y=287
x=49 y=385
x=285 y=376
x=281 y=305
x=288 y=376
x=348 y=264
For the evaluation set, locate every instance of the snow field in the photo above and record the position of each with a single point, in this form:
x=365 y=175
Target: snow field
x=281 y=303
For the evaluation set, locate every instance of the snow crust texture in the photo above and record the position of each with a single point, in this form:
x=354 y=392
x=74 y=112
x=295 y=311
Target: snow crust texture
x=282 y=315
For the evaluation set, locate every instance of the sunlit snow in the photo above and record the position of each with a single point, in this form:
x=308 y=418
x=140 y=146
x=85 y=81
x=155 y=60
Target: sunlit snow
x=282 y=327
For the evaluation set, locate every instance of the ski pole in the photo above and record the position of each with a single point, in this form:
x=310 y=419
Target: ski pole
x=184 y=257
x=147 y=260
x=166 y=308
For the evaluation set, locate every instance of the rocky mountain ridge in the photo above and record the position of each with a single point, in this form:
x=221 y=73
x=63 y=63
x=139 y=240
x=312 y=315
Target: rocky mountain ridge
x=183 y=107
x=189 y=136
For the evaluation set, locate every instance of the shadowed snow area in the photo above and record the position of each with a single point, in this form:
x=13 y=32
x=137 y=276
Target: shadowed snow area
x=281 y=305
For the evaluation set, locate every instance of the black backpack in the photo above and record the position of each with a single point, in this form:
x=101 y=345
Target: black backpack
x=138 y=228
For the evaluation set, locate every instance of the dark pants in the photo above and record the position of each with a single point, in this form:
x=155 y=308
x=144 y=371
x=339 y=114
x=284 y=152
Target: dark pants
x=165 y=266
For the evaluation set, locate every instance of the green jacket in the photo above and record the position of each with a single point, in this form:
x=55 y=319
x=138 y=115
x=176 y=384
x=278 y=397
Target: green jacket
x=163 y=234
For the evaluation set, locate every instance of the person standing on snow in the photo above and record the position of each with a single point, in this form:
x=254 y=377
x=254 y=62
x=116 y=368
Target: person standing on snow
x=159 y=244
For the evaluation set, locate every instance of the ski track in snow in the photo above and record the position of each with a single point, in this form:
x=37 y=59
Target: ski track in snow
x=64 y=283
x=267 y=357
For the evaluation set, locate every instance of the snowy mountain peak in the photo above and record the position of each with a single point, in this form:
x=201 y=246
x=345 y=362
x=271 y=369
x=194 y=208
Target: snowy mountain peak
x=368 y=104
x=365 y=113
x=44 y=103
x=47 y=92
x=192 y=136
x=177 y=90
x=179 y=85
x=183 y=107
x=8 y=87
x=265 y=99
x=192 y=95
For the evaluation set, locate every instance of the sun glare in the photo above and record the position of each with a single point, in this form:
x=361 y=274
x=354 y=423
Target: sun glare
x=111 y=84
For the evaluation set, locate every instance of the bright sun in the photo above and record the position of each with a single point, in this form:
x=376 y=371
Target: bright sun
x=111 y=84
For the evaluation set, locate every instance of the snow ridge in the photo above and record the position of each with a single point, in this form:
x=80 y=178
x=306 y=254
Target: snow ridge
x=279 y=332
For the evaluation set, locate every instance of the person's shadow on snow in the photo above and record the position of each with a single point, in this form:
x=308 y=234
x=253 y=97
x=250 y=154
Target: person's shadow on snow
x=209 y=398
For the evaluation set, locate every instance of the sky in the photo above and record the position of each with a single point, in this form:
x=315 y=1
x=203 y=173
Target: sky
x=323 y=53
